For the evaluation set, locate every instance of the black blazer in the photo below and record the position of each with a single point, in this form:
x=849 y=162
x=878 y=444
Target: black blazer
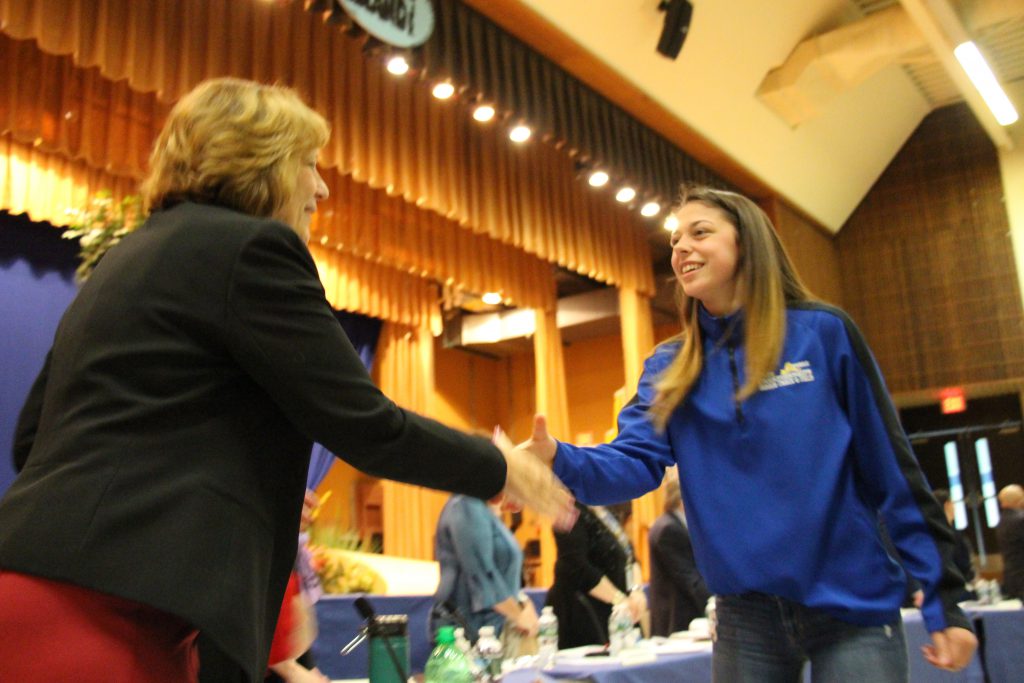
x=678 y=593
x=165 y=443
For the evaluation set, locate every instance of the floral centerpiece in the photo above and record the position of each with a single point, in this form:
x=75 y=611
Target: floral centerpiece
x=100 y=226
x=342 y=571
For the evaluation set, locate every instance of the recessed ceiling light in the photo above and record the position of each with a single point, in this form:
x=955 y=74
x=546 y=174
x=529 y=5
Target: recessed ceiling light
x=483 y=113
x=491 y=298
x=650 y=209
x=625 y=194
x=520 y=133
x=598 y=179
x=671 y=222
x=398 y=66
x=443 y=90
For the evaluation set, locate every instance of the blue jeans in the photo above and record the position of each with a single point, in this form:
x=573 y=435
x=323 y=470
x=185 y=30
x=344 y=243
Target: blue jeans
x=766 y=639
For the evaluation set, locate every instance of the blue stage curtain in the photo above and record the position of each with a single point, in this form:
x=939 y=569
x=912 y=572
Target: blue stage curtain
x=363 y=331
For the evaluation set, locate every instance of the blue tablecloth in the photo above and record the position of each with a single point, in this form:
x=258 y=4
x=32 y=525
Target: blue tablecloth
x=339 y=622
x=1002 y=645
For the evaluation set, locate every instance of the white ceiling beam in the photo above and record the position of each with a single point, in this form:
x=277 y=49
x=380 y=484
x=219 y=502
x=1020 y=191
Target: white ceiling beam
x=943 y=30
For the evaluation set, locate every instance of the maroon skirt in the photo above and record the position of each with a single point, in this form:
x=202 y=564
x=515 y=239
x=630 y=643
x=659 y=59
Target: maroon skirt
x=54 y=631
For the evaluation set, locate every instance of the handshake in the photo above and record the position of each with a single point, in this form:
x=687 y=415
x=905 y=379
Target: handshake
x=529 y=480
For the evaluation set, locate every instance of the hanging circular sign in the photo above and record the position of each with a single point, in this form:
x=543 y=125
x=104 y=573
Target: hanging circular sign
x=402 y=23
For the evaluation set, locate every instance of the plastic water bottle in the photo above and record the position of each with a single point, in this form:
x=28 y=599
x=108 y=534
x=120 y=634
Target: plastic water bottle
x=711 y=612
x=488 y=654
x=461 y=642
x=464 y=646
x=547 y=638
x=620 y=623
x=446 y=663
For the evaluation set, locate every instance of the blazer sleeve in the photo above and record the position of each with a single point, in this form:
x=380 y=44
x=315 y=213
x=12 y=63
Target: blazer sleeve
x=282 y=331
x=28 y=418
x=891 y=480
x=473 y=541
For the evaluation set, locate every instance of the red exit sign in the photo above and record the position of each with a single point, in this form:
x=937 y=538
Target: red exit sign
x=952 y=401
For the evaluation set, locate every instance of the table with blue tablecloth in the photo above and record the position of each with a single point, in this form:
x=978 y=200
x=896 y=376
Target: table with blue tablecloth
x=1002 y=630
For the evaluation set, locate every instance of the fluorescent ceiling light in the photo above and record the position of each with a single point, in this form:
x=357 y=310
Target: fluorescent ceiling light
x=985 y=81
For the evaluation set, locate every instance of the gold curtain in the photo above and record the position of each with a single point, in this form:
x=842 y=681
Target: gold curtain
x=363 y=286
x=552 y=401
x=388 y=133
x=50 y=187
x=637 y=342
x=405 y=368
x=369 y=223
x=637 y=333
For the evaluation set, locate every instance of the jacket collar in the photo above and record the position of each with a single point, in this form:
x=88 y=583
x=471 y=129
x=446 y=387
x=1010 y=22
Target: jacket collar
x=719 y=330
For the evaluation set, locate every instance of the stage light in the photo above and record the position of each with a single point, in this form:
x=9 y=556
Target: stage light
x=650 y=209
x=598 y=179
x=520 y=133
x=397 y=66
x=483 y=113
x=443 y=90
x=625 y=194
x=677 y=25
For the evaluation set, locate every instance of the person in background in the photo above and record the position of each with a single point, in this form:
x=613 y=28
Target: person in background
x=291 y=656
x=963 y=553
x=1010 y=534
x=481 y=571
x=595 y=570
x=164 y=447
x=678 y=593
x=789 y=449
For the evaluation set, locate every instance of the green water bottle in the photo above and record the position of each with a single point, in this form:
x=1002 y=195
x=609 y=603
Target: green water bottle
x=447 y=664
x=389 y=664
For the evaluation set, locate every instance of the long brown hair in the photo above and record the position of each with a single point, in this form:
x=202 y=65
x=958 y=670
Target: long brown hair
x=769 y=282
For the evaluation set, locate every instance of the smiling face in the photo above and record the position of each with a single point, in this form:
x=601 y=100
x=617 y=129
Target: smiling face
x=310 y=188
x=705 y=257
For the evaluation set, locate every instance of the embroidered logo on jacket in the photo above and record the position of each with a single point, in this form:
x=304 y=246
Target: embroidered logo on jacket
x=791 y=373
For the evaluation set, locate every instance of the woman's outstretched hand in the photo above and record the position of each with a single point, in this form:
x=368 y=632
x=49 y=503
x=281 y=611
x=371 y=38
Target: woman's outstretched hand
x=541 y=443
x=530 y=482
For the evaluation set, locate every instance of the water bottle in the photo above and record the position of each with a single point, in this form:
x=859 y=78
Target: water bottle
x=488 y=654
x=464 y=646
x=547 y=637
x=712 y=616
x=620 y=623
x=461 y=642
x=446 y=663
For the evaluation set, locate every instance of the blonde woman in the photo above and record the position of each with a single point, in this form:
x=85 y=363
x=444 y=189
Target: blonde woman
x=790 y=457
x=164 y=447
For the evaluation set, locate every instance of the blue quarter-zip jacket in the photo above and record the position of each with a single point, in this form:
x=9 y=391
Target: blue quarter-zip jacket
x=784 y=491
